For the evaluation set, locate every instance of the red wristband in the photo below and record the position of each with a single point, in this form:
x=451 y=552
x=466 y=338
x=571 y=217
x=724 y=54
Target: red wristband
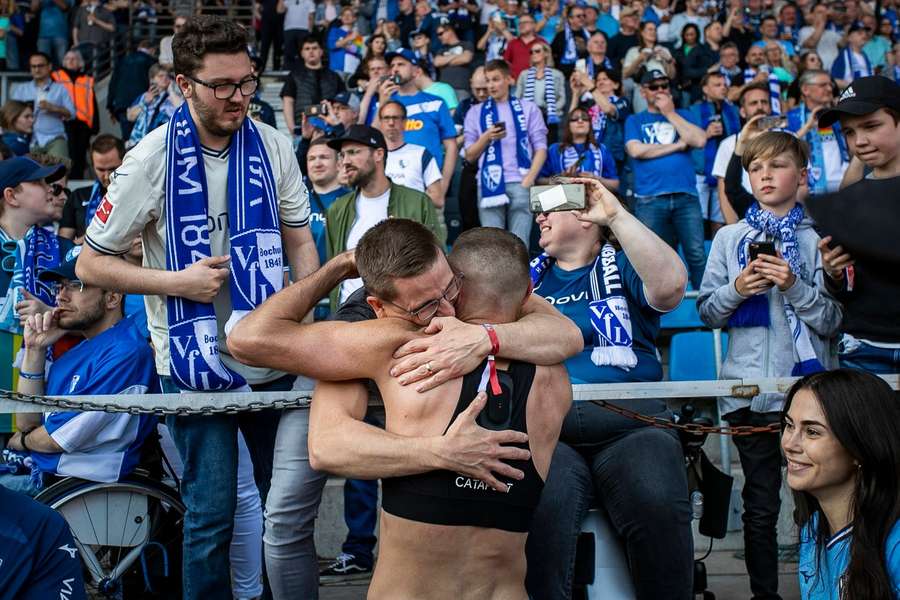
x=492 y=335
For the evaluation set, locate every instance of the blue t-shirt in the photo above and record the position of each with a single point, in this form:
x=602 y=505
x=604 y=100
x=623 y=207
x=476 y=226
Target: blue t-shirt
x=100 y=446
x=54 y=22
x=428 y=122
x=569 y=292
x=670 y=174
x=824 y=581
x=38 y=557
x=318 y=206
x=554 y=164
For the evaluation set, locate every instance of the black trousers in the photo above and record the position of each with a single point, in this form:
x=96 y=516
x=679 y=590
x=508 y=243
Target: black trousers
x=270 y=37
x=760 y=456
x=468 y=196
x=79 y=134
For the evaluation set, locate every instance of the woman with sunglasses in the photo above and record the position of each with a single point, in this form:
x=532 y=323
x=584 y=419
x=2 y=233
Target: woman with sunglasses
x=579 y=154
x=608 y=110
x=841 y=439
x=17 y=121
x=646 y=56
x=545 y=86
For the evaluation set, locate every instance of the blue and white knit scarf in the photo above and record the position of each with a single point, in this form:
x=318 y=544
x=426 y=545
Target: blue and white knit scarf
x=93 y=204
x=570 y=52
x=256 y=253
x=41 y=253
x=608 y=308
x=774 y=88
x=593 y=160
x=549 y=92
x=817 y=174
x=491 y=180
x=754 y=312
x=731 y=123
x=592 y=71
x=854 y=66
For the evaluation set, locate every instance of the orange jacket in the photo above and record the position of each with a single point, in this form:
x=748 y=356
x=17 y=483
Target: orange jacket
x=82 y=92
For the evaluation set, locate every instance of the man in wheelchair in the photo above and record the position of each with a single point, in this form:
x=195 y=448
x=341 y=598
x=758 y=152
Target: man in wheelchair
x=114 y=358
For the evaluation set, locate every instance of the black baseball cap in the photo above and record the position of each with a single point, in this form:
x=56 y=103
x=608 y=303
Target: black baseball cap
x=20 y=169
x=653 y=75
x=862 y=97
x=361 y=134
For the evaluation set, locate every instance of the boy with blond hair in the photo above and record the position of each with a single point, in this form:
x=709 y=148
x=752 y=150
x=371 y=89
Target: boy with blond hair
x=782 y=322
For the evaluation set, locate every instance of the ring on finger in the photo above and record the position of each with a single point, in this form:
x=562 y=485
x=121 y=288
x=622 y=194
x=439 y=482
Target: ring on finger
x=428 y=367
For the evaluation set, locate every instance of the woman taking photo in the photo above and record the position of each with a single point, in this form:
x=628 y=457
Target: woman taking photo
x=579 y=154
x=545 y=86
x=608 y=110
x=646 y=56
x=17 y=121
x=841 y=439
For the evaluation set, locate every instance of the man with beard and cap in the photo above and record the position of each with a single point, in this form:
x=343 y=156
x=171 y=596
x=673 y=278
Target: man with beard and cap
x=215 y=197
x=859 y=250
x=362 y=153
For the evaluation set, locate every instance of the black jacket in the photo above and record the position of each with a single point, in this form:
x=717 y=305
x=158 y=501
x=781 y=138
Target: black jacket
x=129 y=80
x=311 y=86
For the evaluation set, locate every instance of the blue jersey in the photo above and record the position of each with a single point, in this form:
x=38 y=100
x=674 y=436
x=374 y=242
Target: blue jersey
x=555 y=163
x=569 y=292
x=670 y=174
x=824 y=580
x=38 y=557
x=100 y=446
x=428 y=122
x=318 y=206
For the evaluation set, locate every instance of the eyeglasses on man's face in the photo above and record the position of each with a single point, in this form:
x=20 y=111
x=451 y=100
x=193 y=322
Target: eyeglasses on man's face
x=426 y=311
x=225 y=91
x=69 y=285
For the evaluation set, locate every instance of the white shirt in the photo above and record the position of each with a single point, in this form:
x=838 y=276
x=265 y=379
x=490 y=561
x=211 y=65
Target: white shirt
x=369 y=213
x=723 y=156
x=136 y=201
x=413 y=166
x=297 y=14
x=827 y=48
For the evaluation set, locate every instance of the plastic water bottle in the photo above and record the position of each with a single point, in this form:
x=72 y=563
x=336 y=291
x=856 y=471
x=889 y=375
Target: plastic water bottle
x=697 y=504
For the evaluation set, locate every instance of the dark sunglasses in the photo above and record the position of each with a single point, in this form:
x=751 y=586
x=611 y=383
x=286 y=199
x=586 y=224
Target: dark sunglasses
x=580 y=119
x=57 y=189
x=655 y=87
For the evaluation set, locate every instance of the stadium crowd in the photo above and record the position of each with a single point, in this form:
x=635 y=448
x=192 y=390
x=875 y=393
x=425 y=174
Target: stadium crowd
x=388 y=232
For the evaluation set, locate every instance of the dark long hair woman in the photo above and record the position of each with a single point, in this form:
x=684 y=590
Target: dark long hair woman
x=841 y=439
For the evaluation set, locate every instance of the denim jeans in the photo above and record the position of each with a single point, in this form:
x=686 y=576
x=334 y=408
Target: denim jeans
x=515 y=216
x=209 y=449
x=760 y=456
x=677 y=218
x=866 y=357
x=19 y=483
x=361 y=514
x=637 y=474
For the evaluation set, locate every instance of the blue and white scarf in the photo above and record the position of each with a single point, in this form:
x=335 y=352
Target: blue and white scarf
x=25 y=260
x=256 y=253
x=817 y=174
x=608 y=309
x=93 y=203
x=549 y=92
x=853 y=68
x=570 y=52
x=593 y=159
x=591 y=69
x=774 y=88
x=754 y=311
x=491 y=181
x=731 y=123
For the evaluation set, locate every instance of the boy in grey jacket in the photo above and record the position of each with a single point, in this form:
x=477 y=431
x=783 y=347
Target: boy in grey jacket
x=781 y=321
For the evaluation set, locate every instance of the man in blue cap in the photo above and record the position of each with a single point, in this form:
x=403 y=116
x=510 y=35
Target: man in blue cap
x=27 y=247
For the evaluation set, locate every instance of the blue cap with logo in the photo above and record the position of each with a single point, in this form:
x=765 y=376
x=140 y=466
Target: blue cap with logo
x=404 y=53
x=65 y=270
x=20 y=169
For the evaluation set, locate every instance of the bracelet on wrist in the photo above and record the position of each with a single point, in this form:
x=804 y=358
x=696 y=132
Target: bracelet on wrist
x=22 y=436
x=31 y=376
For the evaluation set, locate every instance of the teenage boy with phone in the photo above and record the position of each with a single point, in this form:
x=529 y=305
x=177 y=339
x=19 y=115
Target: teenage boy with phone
x=782 y=322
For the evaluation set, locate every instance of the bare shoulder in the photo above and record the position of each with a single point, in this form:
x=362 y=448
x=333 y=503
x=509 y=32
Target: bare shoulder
x=551 y=392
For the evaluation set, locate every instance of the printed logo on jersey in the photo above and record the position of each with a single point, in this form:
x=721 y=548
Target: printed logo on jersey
x=71 y=551
x=104 y=211
x=414 y=124
x=661 y=132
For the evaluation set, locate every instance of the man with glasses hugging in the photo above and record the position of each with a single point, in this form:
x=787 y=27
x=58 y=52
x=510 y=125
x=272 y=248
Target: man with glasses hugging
x=52 y=106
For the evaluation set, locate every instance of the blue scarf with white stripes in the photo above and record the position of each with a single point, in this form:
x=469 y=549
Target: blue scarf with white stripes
x=549 y=92
x=492 y=181
x=256 y=253
x=93 y=203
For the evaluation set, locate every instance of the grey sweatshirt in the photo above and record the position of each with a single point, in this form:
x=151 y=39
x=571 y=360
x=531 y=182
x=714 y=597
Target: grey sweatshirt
x=767 y=351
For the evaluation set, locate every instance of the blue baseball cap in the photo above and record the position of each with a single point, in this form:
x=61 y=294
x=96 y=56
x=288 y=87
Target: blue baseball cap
x=404 y=53
x=65 y=270
x=20 y=169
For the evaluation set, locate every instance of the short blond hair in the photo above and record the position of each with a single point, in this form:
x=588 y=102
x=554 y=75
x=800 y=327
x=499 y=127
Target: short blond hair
x=772 y=143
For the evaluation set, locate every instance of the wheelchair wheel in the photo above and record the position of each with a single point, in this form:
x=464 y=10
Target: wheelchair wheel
x=128 y=532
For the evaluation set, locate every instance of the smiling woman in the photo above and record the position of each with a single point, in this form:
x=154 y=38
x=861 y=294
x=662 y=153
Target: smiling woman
x=841 y=439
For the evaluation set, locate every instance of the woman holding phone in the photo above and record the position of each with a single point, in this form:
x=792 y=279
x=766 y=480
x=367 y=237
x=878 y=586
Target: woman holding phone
x=841 y=438
x=615 y=294
x=580 y=154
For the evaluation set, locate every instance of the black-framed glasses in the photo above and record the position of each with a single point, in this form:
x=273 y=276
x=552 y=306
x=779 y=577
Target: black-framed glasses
x=430 y=308
x=224 y=91
x=57 y=189
x=70 y=285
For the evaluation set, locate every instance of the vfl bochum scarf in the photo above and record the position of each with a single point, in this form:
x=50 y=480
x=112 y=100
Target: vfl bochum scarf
x=854 y=68
x=41 y=253
x=591 y=69
x=491 y=179
x=256 y=254
x=549 y=92
x=731 y=123
x=93 y=203
x=593 y=161
x=608 y=309
x=774 y=88
x=570 y=53
x=754 y=312
x=817 y=174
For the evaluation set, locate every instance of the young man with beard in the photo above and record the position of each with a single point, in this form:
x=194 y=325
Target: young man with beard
x=241 y=215
x=114 y=358
x=362 y=154
x=107 y=152
x=324 y=188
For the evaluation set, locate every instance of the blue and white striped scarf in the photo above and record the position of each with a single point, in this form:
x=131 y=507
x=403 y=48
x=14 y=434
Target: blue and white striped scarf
x=256 y=253
x=570 y=52
x=754 y=311
x=593 y=161
x=492 y=182
x=774 y=88
x=93 y=203
x=549 y=92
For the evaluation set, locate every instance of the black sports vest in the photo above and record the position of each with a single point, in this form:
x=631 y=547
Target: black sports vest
x=448 y=498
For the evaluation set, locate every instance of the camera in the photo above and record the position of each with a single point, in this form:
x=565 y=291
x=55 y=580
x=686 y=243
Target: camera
x=317 y=110
x=395 y=79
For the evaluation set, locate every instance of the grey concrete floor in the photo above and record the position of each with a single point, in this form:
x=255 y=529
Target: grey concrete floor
x=727 y=579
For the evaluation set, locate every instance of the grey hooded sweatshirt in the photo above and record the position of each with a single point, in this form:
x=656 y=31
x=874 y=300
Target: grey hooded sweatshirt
x=767 y=351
